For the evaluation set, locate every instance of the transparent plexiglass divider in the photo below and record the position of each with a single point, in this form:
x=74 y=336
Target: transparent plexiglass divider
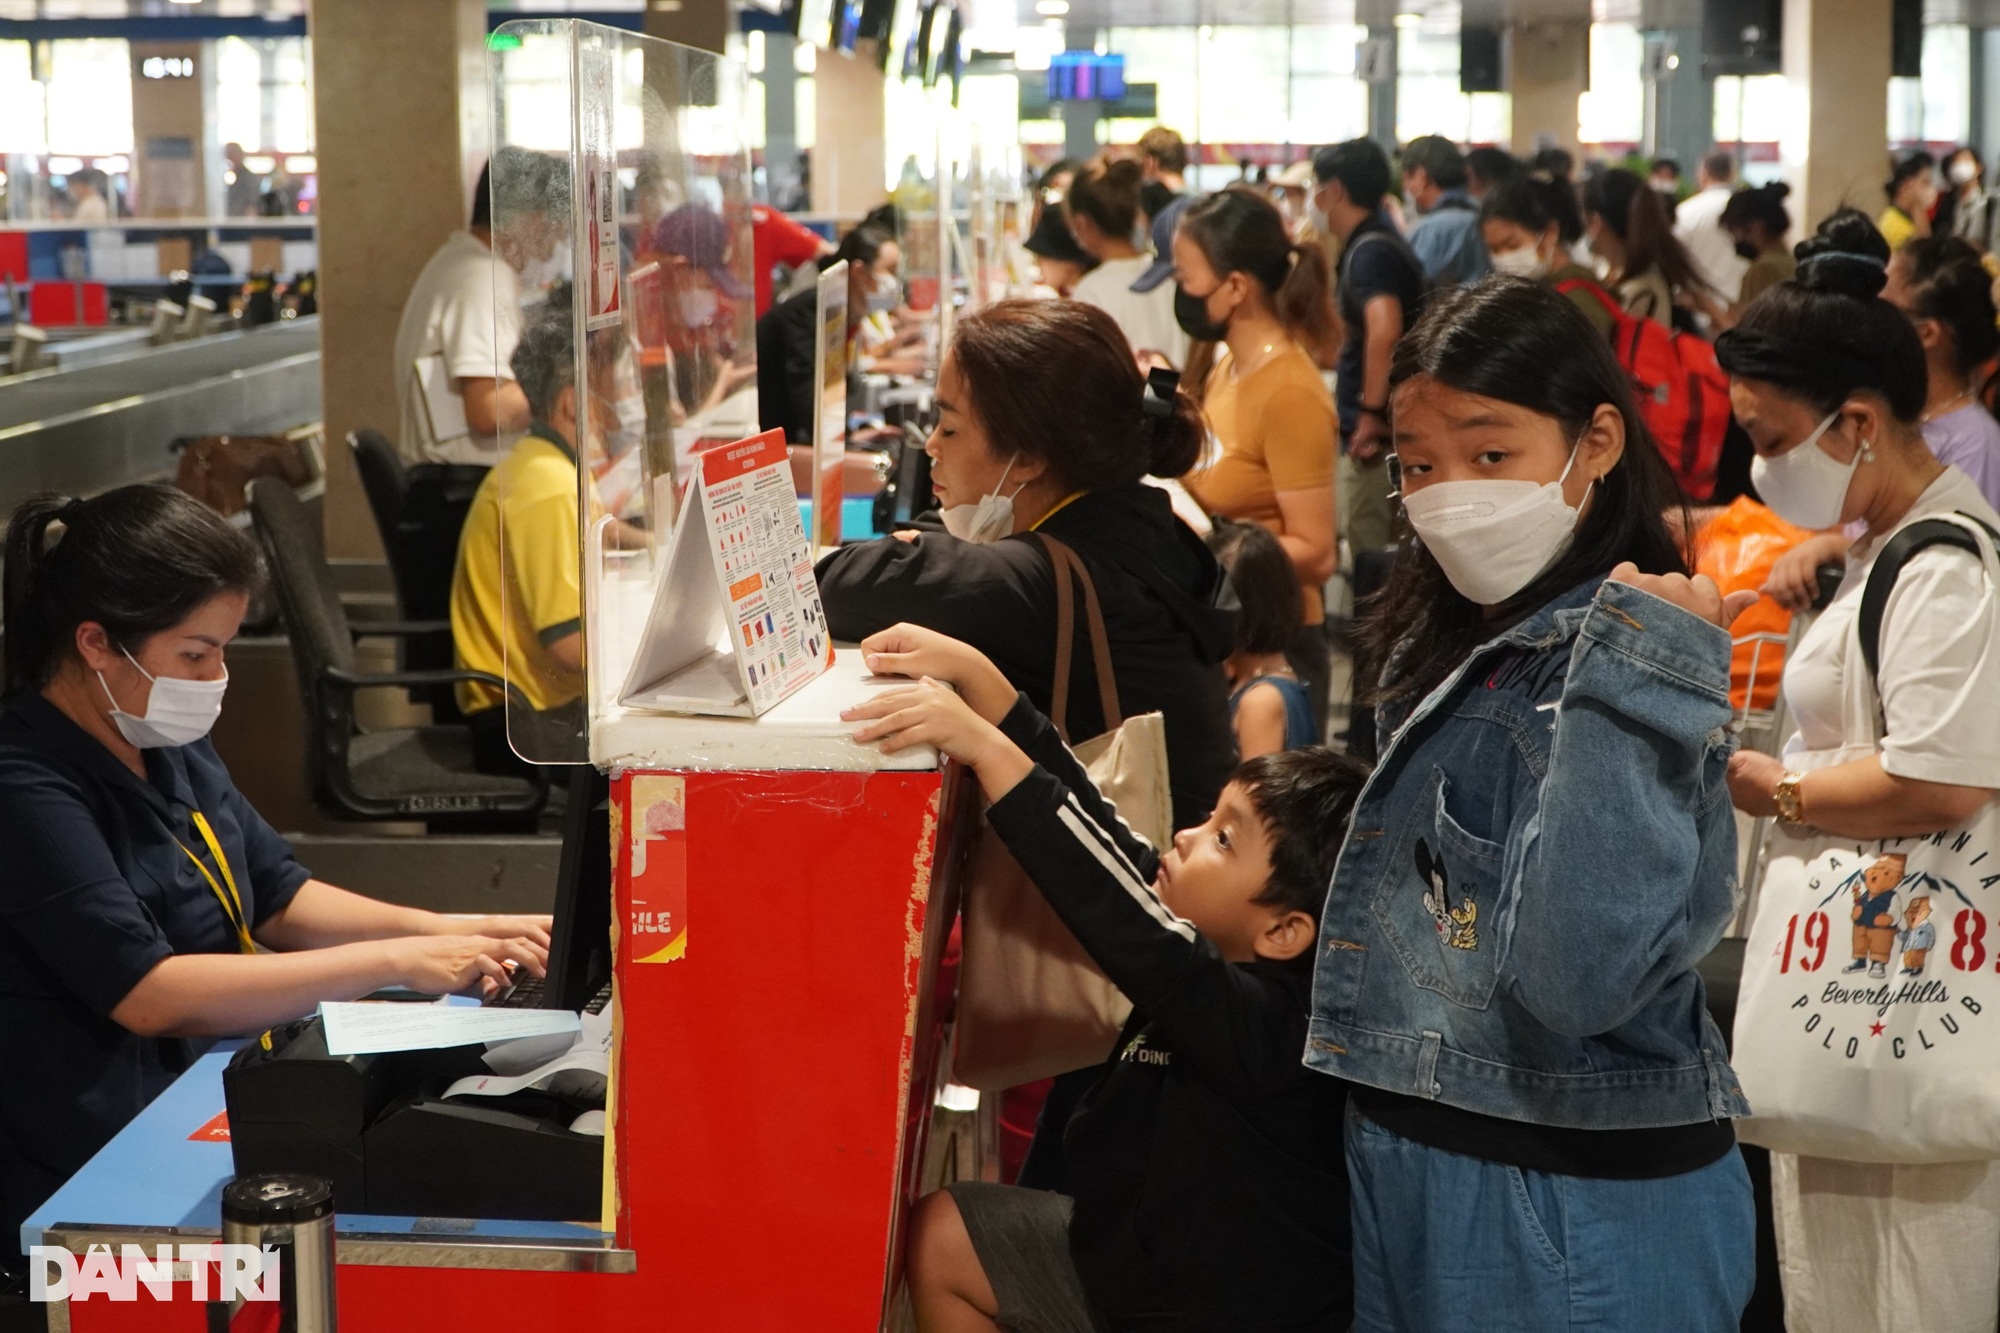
x=621 y=211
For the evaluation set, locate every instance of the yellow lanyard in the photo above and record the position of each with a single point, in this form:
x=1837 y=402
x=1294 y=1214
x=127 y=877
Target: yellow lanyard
x=231 y=900
x=1060 y=505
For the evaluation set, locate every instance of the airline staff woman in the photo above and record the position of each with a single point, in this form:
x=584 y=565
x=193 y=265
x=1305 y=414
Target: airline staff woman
x=140 y=892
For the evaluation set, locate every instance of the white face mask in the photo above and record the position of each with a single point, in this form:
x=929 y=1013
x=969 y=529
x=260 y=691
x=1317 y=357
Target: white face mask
x=1493 y=538
x=1805 y=486
x=1526 y=262
x=178 y=712
x=989 y=520
x=1963 y=173
x=698 y=306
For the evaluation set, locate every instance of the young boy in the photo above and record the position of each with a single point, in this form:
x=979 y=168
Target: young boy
x=1211 y=1187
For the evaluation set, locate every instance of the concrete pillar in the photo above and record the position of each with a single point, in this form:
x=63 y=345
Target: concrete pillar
x=698 y=23
x=1986 y=94
x=781 y=118
x=1548 y=69
x=170 y=105
x=1835 y=148
x=1684 y=103
x=400 y=97
x=850 y=150
x=1382 y=91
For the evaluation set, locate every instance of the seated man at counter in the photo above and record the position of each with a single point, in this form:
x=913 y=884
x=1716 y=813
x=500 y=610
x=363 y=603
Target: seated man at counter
x=516 y=601
x=141 y=890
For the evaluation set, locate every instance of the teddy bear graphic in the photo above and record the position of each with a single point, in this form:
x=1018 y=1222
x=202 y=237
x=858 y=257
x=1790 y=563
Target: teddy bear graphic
x=1457 y=926
x=1918 y=936
x=1875 y=914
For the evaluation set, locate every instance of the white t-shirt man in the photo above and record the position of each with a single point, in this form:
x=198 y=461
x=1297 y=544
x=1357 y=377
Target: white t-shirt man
x=1698 y=226
x=465 y=308
x=1146 y=317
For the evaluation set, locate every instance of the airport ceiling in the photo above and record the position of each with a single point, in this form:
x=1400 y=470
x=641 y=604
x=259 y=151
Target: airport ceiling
x=1089 y=14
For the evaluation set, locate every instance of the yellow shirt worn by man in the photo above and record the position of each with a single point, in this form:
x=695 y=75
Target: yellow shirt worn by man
x=517 y=588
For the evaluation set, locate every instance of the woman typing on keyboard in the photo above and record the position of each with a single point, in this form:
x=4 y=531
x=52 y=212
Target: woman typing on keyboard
x=143 y=903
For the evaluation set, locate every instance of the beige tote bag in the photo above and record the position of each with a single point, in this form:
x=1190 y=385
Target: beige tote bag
x=1031 y=1004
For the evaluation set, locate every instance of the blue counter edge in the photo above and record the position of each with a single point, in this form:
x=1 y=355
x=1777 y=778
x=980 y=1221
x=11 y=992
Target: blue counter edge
x=153 y=1175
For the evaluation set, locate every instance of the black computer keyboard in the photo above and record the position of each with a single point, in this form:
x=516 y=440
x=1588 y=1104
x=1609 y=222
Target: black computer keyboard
x=527 y=994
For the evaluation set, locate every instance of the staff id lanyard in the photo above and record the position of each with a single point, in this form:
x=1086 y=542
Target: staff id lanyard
x=231 y=900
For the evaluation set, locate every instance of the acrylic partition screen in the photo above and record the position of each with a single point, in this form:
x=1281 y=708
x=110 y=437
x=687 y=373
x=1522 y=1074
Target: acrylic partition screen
x=621 y=207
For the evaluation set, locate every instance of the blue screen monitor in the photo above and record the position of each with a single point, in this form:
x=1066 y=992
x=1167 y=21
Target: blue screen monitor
x=1085 y=76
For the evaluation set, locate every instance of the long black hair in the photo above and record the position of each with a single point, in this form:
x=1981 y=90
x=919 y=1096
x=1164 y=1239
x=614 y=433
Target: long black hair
x=1827 y=334
x=137 y=560
x=1640 y=220
x=1521 y=342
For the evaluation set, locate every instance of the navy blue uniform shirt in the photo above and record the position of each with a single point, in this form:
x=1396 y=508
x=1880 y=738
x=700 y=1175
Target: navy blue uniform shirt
x=96 y=889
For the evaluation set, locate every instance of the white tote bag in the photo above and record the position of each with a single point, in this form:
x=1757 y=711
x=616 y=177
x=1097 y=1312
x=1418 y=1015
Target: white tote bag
x=1868 y=1027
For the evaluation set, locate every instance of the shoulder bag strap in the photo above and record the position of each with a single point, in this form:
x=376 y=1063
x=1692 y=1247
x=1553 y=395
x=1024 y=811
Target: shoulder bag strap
x=1065 y=637
x=1068 y=566
x=1900 y=549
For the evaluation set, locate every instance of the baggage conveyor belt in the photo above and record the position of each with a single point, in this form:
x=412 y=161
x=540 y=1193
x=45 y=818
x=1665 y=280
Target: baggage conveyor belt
x=88 y=430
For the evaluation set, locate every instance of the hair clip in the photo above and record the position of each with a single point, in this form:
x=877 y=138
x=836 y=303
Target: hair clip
x=1162 y=387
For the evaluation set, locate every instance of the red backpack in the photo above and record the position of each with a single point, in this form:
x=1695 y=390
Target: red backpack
x=1683 y=395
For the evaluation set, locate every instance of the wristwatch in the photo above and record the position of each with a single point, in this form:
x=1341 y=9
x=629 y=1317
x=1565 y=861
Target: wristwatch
x=1791 y=800
x=1381 y=412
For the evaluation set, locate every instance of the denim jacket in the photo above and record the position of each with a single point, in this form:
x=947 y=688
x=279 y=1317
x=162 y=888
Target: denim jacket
x=1542 y=856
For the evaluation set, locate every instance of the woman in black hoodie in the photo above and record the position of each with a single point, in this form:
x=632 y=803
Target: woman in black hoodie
x=1046 y=425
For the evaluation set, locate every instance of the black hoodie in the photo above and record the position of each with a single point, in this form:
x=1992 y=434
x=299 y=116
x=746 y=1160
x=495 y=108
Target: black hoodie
x=1163 y=596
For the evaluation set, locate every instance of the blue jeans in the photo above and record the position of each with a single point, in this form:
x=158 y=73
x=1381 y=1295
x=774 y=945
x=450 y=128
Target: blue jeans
x=1450 y=1244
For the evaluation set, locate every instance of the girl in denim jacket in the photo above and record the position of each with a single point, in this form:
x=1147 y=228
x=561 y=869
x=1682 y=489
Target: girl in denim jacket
x=1539 y=1135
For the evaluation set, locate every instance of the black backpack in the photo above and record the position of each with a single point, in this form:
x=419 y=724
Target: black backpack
x=1901 y=548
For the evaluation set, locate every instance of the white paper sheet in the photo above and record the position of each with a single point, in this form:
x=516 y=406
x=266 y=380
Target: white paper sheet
x=579 y=1068
x=362 y=1028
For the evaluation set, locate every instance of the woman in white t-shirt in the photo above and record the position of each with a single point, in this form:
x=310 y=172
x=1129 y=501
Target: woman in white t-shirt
x=1102 y=208
x=1829 y=381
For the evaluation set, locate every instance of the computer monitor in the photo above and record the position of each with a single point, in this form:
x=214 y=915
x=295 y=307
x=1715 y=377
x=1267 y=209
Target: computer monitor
x=580 y=942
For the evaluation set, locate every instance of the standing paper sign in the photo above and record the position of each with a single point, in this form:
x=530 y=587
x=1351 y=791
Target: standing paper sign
x=829 y=406
x=736 y=624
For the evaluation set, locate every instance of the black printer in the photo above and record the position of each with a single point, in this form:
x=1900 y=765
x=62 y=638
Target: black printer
x=380 y=1128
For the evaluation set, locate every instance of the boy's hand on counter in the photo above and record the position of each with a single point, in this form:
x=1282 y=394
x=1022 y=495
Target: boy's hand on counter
x=930 y=713
x=912 y=650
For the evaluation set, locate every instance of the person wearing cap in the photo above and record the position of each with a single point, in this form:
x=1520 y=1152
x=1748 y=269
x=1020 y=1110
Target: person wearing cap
x=1060 y=261
x=706 y=299
x=1103 y=213
x=1291 y=191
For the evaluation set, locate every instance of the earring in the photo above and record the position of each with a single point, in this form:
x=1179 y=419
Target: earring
x=1867 y=452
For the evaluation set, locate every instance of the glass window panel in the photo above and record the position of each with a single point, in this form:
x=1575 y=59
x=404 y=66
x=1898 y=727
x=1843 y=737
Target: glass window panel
x=1166 y=57
x=1427 y=97
x=1751 y=109
x=535 y=98
x=90 y=96
x=21 y=112
x=1613 y=111
x=1243 y=96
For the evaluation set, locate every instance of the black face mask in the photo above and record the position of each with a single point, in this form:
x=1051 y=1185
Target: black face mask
x=1191 y=313
x=1745 y=250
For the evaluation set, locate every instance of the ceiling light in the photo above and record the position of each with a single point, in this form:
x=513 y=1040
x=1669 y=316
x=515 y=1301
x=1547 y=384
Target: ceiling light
x=183 y=2
x=1052 y=8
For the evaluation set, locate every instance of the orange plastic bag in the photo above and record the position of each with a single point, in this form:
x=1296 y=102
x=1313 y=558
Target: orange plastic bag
x=1737 y=548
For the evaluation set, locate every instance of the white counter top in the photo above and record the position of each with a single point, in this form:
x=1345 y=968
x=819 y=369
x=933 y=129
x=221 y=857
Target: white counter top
x=803 y=732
